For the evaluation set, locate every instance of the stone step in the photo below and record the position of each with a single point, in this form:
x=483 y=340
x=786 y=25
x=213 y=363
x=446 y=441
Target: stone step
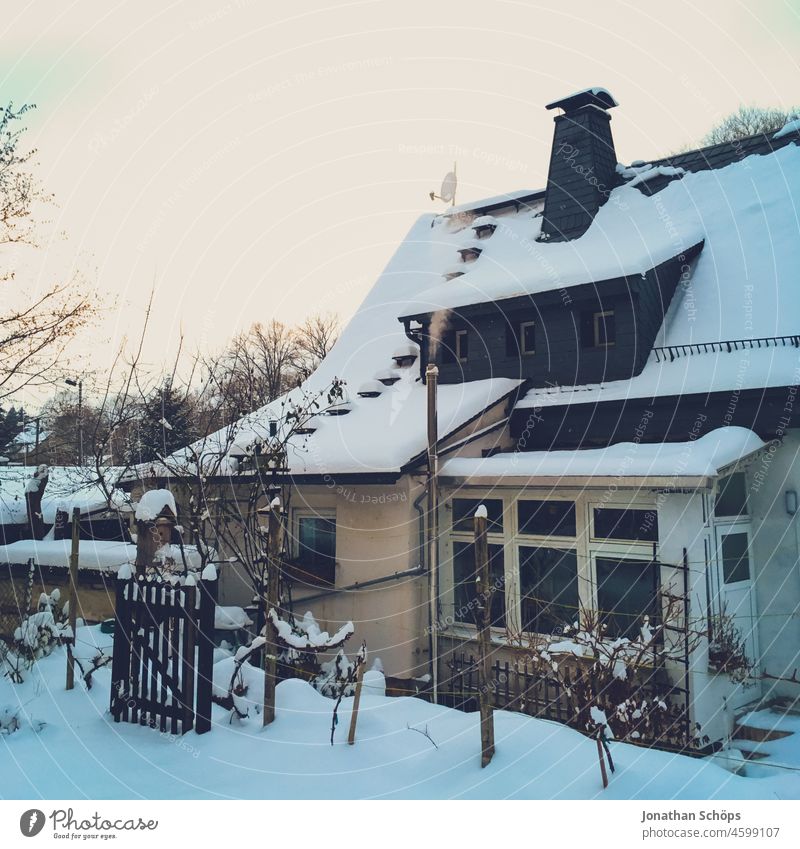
x=758 y=735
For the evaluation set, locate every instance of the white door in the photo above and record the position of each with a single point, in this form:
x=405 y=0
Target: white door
x=736 y=596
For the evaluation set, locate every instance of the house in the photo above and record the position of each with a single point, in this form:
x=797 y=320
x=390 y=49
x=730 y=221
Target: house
x=618 y=362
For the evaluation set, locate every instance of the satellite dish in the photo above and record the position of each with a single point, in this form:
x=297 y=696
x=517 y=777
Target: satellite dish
x=448 y=192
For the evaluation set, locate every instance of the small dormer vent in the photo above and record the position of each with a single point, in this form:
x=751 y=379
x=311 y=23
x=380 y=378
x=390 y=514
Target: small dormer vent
x=405 y=355
x=470 y=252
x=387 y=377
x=484 y=226
x=370 y=389
x=453 y=272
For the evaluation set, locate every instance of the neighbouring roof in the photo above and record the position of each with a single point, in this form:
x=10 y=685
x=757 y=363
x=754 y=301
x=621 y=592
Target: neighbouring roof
x=703 y=457
x=67 y=487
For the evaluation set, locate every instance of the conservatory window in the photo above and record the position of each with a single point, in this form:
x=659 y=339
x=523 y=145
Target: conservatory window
x=464 y=513
x=465 y=596
x=625 y=524
x=626 y=592
x=548 y=588
x=546 y=518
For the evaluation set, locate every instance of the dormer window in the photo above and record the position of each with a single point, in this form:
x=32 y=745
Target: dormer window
x=527 y=337
x=598 y=329
x=462 y=346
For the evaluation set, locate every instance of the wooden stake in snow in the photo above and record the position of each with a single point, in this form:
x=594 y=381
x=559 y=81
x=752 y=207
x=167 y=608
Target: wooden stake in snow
x=601 y=756
x=274 y=542
x=361 y=662
x=73 y=595
x=484 y=613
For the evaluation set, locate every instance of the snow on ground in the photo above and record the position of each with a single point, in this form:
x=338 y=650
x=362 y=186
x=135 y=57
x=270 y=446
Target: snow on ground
x=81 y=753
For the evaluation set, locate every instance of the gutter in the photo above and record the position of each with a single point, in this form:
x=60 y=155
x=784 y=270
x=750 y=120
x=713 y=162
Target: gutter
x=360 y=585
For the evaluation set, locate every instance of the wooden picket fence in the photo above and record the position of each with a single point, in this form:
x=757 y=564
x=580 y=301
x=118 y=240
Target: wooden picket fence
x=513 y=686
x=161 y=672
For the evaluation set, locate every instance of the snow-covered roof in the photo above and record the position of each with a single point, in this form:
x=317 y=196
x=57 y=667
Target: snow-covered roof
x=703 y=457
x=744 y=285
x=382 y=434
x=628 y=237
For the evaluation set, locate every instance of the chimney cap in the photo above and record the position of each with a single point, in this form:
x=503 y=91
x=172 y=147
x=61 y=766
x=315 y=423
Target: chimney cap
x=601 y=97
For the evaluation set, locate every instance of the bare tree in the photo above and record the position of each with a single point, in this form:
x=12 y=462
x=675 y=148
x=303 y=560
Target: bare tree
x=34 y=328
x=747 y=121
x=315 y=338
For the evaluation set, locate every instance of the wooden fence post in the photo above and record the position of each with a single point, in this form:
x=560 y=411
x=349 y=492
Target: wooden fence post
x=484 y=615
x=73 y=595
x=121 y=658
x=273 y=591
x=361 y=662
x=207 y=593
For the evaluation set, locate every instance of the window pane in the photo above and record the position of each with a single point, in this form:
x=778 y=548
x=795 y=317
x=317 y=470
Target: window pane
x=462 y=344
x=546 y=518
x=613 y=523
x=732 y=496
x=605 y=328
x=528 y=334
x=464 y=512
x=735 y=558
x=626 y=591
x=549 y=589
x=317 y=538
x=465 y=594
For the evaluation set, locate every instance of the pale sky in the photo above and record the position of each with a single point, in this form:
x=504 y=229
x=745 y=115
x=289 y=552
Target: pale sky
x=263 y=160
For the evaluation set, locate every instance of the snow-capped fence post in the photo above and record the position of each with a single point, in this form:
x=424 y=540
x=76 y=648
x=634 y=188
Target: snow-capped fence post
x=483 y=596
x=274 y=541
x=207 y=593
x=73 y=595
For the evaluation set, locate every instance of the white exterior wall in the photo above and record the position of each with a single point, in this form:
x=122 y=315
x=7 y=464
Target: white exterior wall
x=775 y=550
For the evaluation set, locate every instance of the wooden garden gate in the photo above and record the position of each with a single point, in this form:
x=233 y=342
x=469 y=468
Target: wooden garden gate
x=161 y=672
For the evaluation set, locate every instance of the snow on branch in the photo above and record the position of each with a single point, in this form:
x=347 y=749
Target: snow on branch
x=306 y=634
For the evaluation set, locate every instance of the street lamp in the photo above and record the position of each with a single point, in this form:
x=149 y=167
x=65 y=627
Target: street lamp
x=79 y=383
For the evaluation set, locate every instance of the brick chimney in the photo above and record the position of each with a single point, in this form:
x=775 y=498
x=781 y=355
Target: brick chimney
x=582 y=164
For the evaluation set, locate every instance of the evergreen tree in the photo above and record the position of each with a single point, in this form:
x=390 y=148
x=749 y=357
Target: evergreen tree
x=11 y=424
x=167 y=425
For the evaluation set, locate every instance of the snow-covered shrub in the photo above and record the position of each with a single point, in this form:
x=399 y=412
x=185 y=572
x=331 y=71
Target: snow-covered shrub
x=727 y=650
x=617 y=678
x=336 y=677
x=38 y=634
